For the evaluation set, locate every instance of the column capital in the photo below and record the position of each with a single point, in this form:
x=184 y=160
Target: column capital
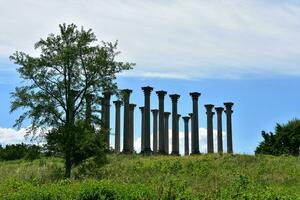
x=209 y=108
x=174 y=97
x=167 y=114
x=154 y=111
x=142 y=108
x=195 y=95
x=161 y=93
x=147 y=90
x=118 y=102
x=126 y=91
x=219 y=109
x=132 y=106
x=190 y=114
x=178 y=116
x=228 y=105
x=186 y=119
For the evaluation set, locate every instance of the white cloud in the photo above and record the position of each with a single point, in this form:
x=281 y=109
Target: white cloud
x=13 y=136
x=173 y=39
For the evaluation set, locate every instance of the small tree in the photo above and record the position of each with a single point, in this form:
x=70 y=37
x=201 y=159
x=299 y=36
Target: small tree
x=70 y=66
x=286 y=140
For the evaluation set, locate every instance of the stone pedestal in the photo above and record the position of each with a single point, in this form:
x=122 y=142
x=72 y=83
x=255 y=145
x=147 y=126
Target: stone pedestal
x=155 y=139
x=142 y=129
x=131 y=127
x=195 y=122
x=126 y=136
x=186 y=135
x=166 y=128
x=210 y=134
x=219 y=111
x=161 y=96
x=147 y=92
x=175 y=134
x=229 y=111
x=117 y=126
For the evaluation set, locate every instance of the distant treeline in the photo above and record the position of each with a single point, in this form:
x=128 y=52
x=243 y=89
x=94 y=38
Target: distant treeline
x=20 y=151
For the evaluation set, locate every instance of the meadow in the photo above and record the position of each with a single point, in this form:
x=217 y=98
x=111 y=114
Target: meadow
x=155 y=177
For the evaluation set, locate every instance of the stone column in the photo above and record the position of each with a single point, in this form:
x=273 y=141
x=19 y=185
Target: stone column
x=195 y=122
x=228 y=112
x=155 y=113
x=126 y=136
x=147 y=92
x=88 y=108
x=117 y=126
x=210 y=133
x=131 y=127
x=166 y=135
x=175 y=134
x=142 y=129
x=219 y=111
x=186 y=135
x=106 y=112
x=161 y=95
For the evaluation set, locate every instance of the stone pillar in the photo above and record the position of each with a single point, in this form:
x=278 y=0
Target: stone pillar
x=195 y=122
x=126 y=136
x=210 y=133
x=175 y=134
x=88 y=108
x=117 y=125
x=106 y=112
x=142 y=129
x=186 y=135
x=166 y=135
x=228 y=112
x=131 y=127
x=155 y=113
x=147 y=92
x=161 y=95
x=219 y=111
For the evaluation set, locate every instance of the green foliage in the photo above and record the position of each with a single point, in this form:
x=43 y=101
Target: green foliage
x=70 y=68
x=156 y=177
x=286 y=140
x=19 y=151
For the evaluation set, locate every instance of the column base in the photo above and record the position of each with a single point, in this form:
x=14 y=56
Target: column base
x=127 y=151
x=175 y=153
x=195 y=153
x=147 y=152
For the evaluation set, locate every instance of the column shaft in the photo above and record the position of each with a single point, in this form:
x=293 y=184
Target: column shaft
x=107 y=96
x=155 y=113
x=219 y=111
x=126 y=136
x=142 y=129
x=186 y=135
x=195 y=122
x=131 y=127
x=166 y=135
x=210 y=136
x=117 y=126
x=229 y=112
x=147 y=92
x=161 y=95
x=175 y=132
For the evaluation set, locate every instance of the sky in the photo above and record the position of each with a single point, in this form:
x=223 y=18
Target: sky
x=244 y=51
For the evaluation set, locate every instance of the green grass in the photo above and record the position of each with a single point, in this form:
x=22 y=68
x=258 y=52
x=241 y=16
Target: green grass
x=155 y=177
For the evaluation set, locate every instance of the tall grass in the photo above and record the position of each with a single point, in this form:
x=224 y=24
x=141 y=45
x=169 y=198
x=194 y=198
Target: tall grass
x=157 y=177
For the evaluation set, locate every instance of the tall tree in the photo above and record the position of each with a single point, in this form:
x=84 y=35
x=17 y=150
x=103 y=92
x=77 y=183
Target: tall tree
x=286 y=140
x=71 y=65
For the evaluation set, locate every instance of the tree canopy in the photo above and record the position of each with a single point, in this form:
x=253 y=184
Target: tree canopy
x=71 y=66
x=285 y=140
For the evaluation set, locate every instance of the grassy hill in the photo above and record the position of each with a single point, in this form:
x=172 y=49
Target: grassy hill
x=155 y=177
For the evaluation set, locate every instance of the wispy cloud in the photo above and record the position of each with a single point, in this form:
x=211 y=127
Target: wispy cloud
x=173 y=39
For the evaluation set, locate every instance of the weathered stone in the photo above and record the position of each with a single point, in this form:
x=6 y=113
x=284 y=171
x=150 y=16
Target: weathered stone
x=195 y=122
x=219 y=111
x=166 y=128
x=210 y=134
x=175 y=133
x=147 y=92
x=117 y=125
x=126 y=136
x=186 y=135
x=161 y=96
x=228 y=111
x=155 y=139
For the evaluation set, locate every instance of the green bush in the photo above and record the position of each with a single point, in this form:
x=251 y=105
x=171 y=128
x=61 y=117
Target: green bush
x=19 y=151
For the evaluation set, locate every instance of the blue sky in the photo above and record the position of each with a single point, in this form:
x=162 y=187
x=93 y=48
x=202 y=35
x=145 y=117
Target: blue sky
x=246 y=52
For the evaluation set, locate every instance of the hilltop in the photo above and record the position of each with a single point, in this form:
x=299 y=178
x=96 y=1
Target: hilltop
x=155 y=177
